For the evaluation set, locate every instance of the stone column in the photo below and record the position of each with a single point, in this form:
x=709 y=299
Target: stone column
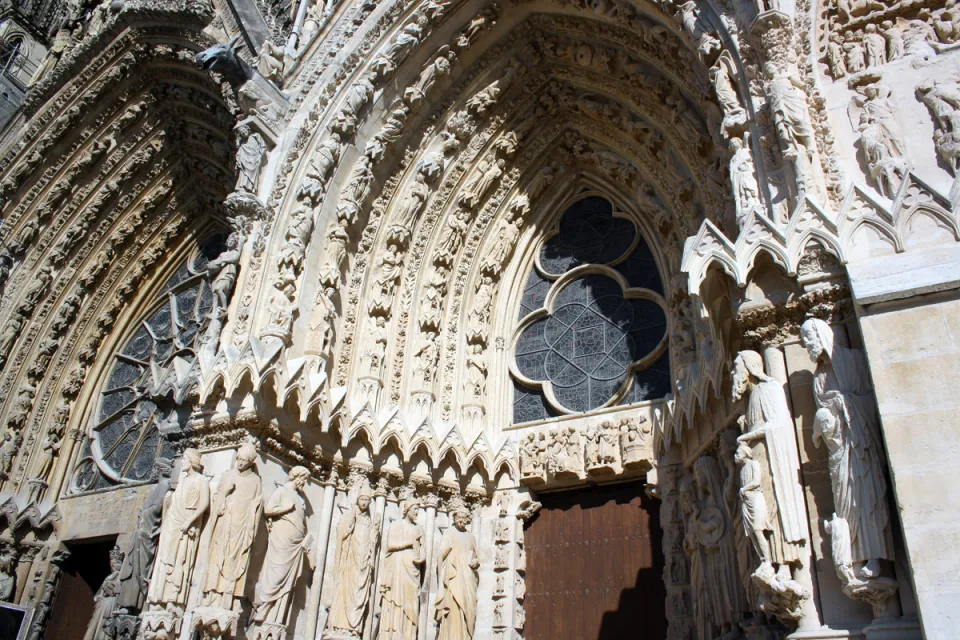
x=380 y=502
x=323 y=537
x=431 y=501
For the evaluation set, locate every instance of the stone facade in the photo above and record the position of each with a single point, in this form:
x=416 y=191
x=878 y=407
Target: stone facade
x=304 y=305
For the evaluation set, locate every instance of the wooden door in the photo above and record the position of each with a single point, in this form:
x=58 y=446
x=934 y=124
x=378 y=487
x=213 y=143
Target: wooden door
x=595 y=566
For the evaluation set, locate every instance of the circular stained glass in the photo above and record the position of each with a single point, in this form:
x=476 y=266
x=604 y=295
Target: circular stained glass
x=145 y=387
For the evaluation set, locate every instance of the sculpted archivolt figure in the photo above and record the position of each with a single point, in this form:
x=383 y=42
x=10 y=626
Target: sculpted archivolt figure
x=456 y=605
x=788 y=103
x=250 y=154
x=138 y=564
x=287 y=545
x=746 y=192
x=850 y=429
x=357 y=538
x=400 y=580
x=179 y=536
x=236 y=513
x=226 y=268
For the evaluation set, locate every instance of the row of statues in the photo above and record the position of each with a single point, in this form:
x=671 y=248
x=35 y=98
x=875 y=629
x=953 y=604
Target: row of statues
x=401 y=577
x=746 y=532
x=150 y=590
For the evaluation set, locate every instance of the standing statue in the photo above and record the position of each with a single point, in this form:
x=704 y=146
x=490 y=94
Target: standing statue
x=881 y=140
x=105 y=599
x=714 y=534
x=788 y=103
x=746 y=192
x=400 y=581
x=236 y=513
x=357 y=538
x=702 y=605
x=851 y=430
x=288 y=543
x=768 y=420
x=456 y=603
x=224 y=269
x=752 y=501
x=182 y=522
x=138 y=564
x=251 y=150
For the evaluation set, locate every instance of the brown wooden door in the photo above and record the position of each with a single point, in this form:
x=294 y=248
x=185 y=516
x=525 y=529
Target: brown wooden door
x=595 y=566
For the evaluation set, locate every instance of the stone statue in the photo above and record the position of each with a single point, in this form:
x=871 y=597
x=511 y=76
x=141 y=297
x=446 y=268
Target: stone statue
x=287 y=545
x=881 y=140
x=8 y=577
x=768 y=420
x=476 y=382
x=714 y=535
x=746 y=192
x=788 y=103
x=104 y=600
x=752 y=502
x=943 y=100
x=138 y=564
x=224 y=269
x=357 y=540
x=251 y=150
x=849 y=427
x=236 y=513
x=875 y=45
x=532 y=453
x=400 y=577
x=456 y=604
x=182 y=522
x=270 y=62
x=702 y=604
x=488 y=172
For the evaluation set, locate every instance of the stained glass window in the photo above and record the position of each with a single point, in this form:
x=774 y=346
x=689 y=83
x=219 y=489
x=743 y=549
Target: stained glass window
x=585 y=352
x=147 y=389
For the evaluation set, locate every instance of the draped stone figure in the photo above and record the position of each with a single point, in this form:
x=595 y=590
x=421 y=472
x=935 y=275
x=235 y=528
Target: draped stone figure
x=287 y=545
x=400 y=580
x=179 y=535
x=768 y=420
x=842 y=385
x=702 y=606
x=105 y=599
x=357 y=538
x=456 y=604
x=250 y=155
x=714 y=534
x=236 y=513
x=138 y=564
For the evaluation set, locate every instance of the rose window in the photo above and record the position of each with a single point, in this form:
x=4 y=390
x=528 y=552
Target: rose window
x=148 y=388
x=593 y=327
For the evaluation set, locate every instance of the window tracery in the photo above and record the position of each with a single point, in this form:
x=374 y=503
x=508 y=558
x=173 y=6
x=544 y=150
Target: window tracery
x=148 y=388
x=592 y=330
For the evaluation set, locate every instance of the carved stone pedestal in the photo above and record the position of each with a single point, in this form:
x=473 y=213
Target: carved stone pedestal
x=422 y=404
x=266 y=631
x=214 y=623
x=36 y=489
x=369 y=390
x=123 y=626
x=160 y=625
